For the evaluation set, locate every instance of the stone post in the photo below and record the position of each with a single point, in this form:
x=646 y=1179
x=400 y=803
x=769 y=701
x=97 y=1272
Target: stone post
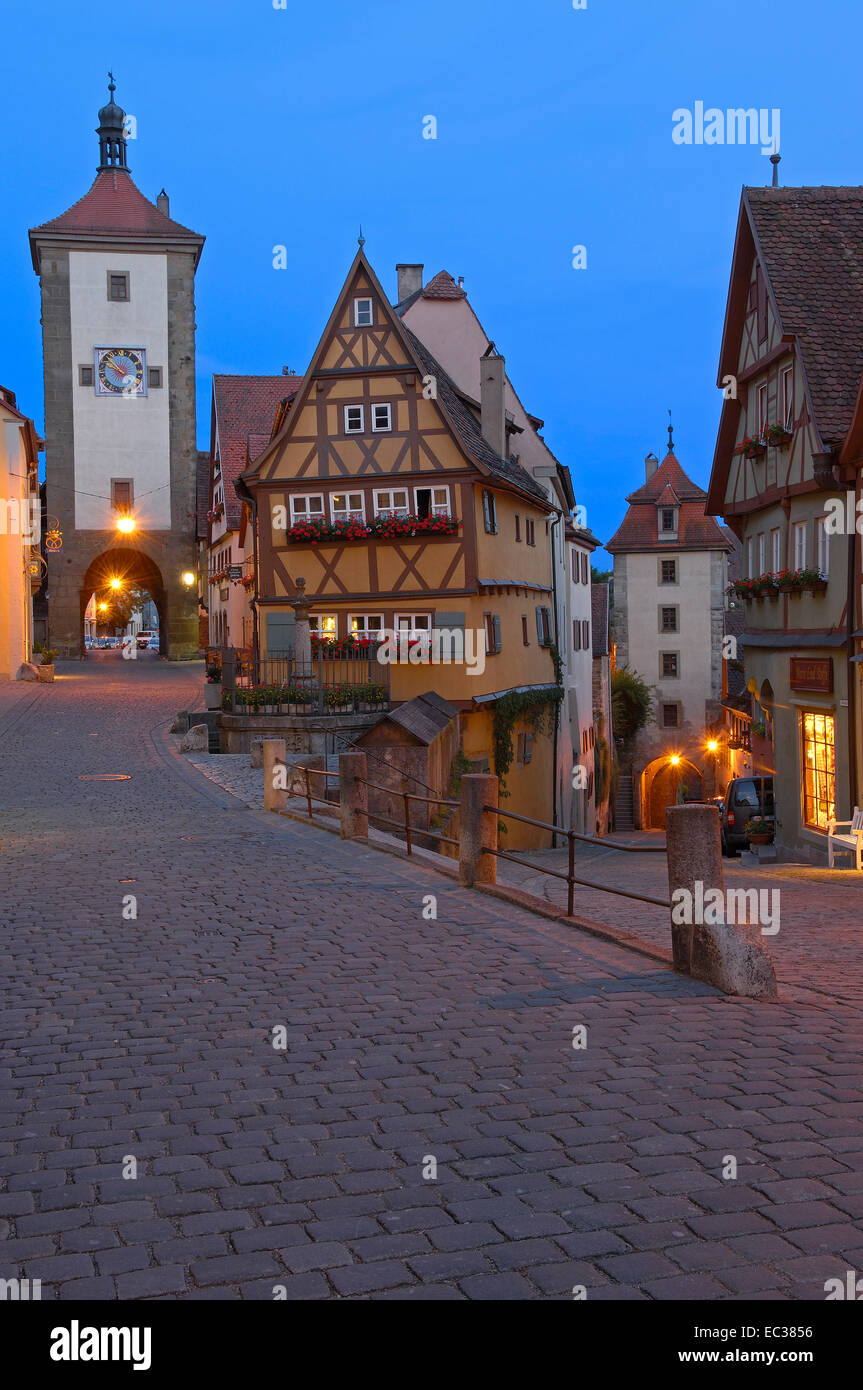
x=721 y=951
x=275 y=775
x=477 y=829
x=353 y=796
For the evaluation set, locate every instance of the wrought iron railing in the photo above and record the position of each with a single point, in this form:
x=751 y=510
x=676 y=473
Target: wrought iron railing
x=279 y=684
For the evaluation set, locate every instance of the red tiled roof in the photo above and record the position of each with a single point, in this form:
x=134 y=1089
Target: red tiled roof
x=115 y=204
x=245 y=408
x=811 y=241
x=443 y=286
x=668 y=497
x=695 y=531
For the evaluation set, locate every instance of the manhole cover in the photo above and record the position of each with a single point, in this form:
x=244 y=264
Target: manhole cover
x=105 y=777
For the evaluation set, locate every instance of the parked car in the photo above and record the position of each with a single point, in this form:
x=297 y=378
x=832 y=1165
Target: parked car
x=742 y=803
x=144 y=637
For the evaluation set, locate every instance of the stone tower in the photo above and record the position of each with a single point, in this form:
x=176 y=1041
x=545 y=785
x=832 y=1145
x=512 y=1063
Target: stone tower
x=117 y=276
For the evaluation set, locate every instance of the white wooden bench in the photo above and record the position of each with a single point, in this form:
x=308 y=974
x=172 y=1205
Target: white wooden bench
x=853 y=841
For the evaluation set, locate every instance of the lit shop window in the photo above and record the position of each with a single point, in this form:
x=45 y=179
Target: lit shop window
x=819 y=770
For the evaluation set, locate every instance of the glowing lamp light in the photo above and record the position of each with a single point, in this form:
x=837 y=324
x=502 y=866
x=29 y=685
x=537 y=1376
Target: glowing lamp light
x=675 y=759
x=103 y=607
x=712 y=745
x=116 y=583
x=188 y=578
x=126 y=524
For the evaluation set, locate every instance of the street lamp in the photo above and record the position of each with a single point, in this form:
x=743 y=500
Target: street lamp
x=126 y=524
x=116 y=583
x=188 y=578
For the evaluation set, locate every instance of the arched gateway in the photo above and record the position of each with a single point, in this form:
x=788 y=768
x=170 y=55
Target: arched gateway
x=663 y=783
x=133 y=569
x=117 y=275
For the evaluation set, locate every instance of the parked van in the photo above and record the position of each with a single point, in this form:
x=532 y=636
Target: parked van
x=742 y=804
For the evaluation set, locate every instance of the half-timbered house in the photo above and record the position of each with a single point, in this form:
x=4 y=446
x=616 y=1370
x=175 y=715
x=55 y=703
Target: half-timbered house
x=397 y=503
x=785 y=462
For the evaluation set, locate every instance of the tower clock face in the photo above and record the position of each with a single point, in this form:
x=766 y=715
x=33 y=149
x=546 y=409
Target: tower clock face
x=121 y=371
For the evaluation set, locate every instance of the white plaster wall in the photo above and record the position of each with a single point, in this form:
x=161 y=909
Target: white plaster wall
x=692 y=596
x=120 y=437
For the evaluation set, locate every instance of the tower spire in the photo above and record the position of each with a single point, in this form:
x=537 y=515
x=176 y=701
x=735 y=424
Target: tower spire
x=670 y=434
x=112 y=132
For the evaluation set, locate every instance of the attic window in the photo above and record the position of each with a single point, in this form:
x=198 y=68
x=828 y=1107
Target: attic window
x=363 y=315
x=668 y=520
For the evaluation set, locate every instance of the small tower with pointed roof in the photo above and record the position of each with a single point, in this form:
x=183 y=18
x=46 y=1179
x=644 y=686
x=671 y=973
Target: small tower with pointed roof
x=670 y=575
x=117 y=278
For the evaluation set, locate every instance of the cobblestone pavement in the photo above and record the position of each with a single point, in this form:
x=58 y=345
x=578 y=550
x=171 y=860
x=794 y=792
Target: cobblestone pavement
x=408 y=1039
x=817 y=950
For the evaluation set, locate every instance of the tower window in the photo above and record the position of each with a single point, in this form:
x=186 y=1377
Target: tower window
x=670 y=716
x=121 y=494
x=154 y=377
x=363 y=315
x=669 y=620
x=85 y=375
x=668 y=518
x=670 y=666
x=118 y=287
x=668 y=572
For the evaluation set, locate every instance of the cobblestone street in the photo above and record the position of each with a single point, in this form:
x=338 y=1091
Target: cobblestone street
x=407 y=1040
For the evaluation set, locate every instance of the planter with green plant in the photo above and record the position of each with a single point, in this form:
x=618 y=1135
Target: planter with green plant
x=213 y=687
x=759 y=831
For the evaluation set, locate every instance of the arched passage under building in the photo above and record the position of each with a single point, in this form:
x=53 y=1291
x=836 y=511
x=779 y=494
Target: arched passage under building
x=663 y=783
x=133 y=569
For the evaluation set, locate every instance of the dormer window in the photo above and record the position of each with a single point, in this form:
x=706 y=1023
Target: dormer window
x=668 y=521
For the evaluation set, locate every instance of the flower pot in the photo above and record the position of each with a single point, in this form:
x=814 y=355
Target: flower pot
x=819 y=587
x=212 y=695
x=45 y=673
x=760 y=839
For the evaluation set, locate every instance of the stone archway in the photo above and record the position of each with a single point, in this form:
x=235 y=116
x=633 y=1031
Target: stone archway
x=659 y=786
x=133 y=568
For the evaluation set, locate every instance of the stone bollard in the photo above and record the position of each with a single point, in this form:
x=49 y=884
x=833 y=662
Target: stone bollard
x=275 y=775
x=353 y=796
x=730 y=955
x=477 y=829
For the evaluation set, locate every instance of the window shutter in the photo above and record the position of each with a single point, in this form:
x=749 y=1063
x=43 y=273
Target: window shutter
x=486 y=511
x=496 y=630
x=446 y=621
x=539 y=626
x=576 y=636
x=584 y=571
x=281 y=631
x=585 y=634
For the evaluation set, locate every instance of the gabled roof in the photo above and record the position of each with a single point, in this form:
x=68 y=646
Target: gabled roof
x=599 y=614
x=463 y=422
x=811 y=246
x=114 y=207
x=695 y=531
x=244 y=409
x=424 y=717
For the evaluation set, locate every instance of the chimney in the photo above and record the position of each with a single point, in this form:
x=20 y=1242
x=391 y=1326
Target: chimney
x=410 y=280
x=492 y=377
x=163 y=204
x=651 y=463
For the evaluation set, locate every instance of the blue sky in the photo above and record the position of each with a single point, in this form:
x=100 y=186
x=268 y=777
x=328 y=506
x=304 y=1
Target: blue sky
x=270 y=126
